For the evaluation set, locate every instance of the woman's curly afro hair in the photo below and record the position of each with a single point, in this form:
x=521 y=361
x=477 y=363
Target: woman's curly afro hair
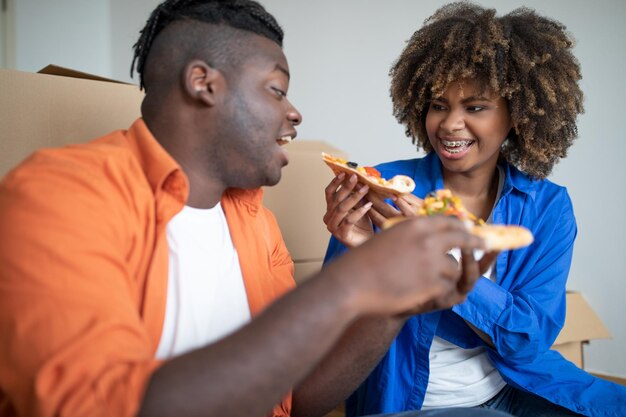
x=523 y=57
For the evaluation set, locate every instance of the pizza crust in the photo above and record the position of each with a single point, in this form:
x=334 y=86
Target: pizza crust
x=398 y=185
x=497 y=237
x=500 y=237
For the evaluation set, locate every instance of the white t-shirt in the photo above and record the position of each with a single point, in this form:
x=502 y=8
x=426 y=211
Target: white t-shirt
x=462 y=377
x=206 y=297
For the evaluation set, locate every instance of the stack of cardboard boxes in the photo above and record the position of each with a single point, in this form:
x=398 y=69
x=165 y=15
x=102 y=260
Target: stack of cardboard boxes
x=42 y=110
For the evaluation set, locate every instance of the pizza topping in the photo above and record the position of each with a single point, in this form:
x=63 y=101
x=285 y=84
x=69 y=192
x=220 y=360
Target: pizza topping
x=496 y=236
x=339 y=160
x=372 y=172
x=444 y=203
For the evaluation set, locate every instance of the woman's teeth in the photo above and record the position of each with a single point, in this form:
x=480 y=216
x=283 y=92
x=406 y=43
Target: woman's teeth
x=456 y=146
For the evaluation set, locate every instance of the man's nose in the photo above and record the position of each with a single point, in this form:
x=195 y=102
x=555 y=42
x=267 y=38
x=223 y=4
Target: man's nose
x=293 y=115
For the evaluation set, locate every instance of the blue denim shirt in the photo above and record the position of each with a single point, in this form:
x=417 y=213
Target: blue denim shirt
x=523 y=311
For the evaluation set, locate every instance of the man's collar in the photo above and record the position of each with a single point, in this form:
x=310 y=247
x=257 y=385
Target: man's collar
x=165 y=174
x=162 y=171
x=253 y=198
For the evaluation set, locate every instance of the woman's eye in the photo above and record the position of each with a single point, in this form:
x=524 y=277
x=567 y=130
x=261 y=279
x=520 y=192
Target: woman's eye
x=474 y=109
x=437 y=107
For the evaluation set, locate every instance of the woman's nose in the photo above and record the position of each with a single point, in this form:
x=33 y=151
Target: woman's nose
x=453 y=121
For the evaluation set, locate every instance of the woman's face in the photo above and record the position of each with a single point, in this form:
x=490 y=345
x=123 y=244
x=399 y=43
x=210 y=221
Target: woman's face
x=467 y=128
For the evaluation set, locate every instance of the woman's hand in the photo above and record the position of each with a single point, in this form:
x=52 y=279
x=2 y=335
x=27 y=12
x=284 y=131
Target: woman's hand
x=346 y=211
x=407 y=205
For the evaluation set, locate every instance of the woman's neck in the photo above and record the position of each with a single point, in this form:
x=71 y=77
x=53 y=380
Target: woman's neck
x=477 y=190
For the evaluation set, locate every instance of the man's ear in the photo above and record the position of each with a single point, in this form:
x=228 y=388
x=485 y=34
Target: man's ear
x=201 y=82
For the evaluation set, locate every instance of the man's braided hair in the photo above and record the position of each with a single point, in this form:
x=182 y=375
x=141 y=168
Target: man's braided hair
x=246 y=15
x=523 y=57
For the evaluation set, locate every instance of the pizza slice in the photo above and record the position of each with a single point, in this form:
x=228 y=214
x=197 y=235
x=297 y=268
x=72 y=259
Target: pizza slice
x=498 y=237
x=398 y=185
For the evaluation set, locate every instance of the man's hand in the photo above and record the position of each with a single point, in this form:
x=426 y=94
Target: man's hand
x=406 y=269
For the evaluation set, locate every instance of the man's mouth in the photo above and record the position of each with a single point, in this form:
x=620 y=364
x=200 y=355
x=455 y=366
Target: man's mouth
x=284 y=140
x=456 y=146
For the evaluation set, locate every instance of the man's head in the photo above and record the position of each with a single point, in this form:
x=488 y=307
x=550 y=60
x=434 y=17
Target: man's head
x=245 y=15
x=216 y=80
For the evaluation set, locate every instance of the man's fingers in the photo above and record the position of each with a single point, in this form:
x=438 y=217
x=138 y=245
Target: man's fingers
x=451 y=235
x=470 y=271
x=487 y=260
x=451 y=269
x=444 y=223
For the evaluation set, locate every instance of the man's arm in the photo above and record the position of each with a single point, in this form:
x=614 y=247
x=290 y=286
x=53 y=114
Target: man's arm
x=252 y=369
x=248 y=372
x=363 y=345
x=351 y=360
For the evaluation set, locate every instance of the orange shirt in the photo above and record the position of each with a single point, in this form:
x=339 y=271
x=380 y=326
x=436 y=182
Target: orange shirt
x=83 y=272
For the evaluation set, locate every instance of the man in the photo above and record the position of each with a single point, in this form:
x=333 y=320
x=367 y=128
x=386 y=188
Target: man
x=136 y=270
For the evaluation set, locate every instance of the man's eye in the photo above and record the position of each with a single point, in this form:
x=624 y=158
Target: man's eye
x=279 y=92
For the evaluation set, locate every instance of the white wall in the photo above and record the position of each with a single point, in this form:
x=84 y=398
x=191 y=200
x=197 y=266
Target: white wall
x=71 y=33
x=340 y=53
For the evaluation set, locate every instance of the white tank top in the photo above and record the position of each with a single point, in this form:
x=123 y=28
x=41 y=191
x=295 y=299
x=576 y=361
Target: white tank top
x=206 y=297
x=462 y=377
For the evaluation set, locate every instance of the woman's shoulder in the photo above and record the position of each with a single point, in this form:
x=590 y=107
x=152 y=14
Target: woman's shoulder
x=543 y=192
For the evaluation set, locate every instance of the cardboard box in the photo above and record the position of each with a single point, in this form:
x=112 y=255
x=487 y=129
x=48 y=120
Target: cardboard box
x=299 y=204
x=56 y=108
x=582 y=325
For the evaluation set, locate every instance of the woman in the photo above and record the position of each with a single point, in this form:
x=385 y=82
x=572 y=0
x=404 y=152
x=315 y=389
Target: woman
x=493 y=101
